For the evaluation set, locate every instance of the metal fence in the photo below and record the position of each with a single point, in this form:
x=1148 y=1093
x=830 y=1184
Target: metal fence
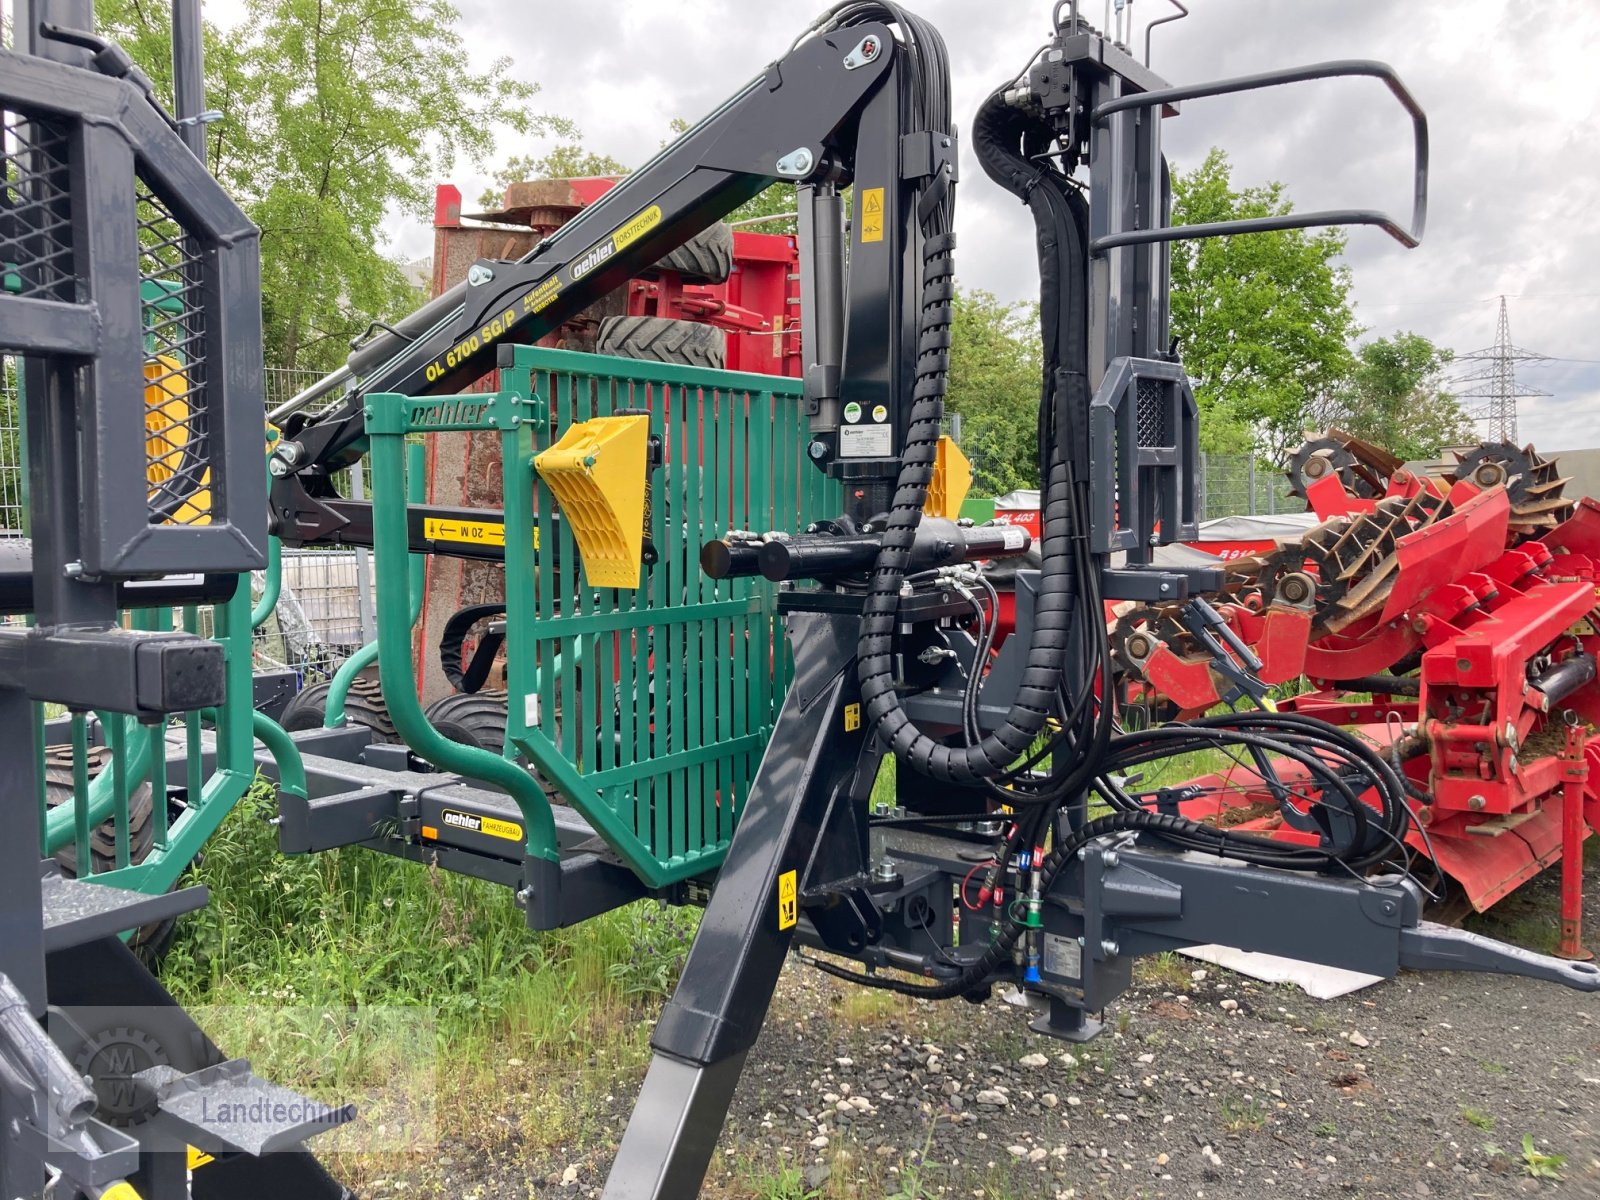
x=1242 y=485
x=11 y=522
x=325 y=606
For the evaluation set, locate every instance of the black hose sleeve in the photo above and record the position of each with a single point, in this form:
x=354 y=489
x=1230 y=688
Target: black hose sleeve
x=453 y=639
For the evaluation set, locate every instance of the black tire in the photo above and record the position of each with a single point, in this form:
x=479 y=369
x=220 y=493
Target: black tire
x=705 y=258
x=479 y=719
x=103 y=837
x=363 y=705
x=149 y=942
x=660 y=339
x=472 y=718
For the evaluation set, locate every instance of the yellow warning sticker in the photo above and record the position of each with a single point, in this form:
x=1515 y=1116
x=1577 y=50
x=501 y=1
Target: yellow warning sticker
x=852 y=717
x=788 y=901
x=477 y=533
x=199 y=1158
x=872 y=214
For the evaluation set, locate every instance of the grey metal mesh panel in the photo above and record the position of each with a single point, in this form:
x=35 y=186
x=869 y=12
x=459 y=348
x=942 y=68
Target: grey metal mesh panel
x=36 y=257
x=177 y=395
x=1154 y=424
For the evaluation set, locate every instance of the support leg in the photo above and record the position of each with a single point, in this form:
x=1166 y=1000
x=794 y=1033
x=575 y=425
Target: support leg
x=1575 y=773
x=708 y=1027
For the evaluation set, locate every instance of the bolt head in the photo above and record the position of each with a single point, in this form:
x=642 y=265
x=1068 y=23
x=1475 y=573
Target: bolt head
x=478 y=274
x=277 y=468
x=817 y=449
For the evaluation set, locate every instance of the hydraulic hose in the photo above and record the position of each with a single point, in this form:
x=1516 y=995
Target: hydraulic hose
x=1063 y=285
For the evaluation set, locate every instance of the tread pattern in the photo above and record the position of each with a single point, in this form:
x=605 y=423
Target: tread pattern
x=472 y=718
x=150 y=941
x=660 y=339
x=705 y=258
x=363 y=705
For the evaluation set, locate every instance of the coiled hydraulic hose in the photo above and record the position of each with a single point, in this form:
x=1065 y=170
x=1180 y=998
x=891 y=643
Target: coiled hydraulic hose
x=1038 y=694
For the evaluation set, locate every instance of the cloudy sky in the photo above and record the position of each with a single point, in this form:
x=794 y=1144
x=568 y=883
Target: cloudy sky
x=1511 y=90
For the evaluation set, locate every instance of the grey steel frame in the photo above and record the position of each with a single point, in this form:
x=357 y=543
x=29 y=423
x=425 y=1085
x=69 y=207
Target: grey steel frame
x=72 y=313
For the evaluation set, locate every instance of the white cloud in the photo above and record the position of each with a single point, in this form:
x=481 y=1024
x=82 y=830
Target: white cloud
x=1511 y=93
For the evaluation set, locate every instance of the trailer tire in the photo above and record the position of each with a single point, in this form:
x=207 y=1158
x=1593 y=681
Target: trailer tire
x=472 y=718
x=707 y=257
x=150 y=941
x=363 y=705
x=660 y=339
x=479 y=719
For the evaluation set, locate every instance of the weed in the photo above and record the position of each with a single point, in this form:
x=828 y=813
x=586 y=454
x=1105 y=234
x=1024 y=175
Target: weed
x=1325 y=1129
x=1240 y=1116
x=1540 y=1166
x=788 y=1184
x=1477 y=1118
x=915 y=1181
x=1167 y=971
x=660 y=937
x=1494 y=1068
x=1534 y=1164
x=868 y=1006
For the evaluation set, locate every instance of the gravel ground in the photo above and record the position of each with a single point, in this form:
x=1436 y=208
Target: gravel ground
x=1204 y=1085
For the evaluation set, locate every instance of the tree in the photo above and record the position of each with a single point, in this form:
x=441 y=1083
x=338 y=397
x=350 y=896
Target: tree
x=1393 y=398
x=566 y=160
x=773 y=208
x=336 y=113
x=1263 y=320
x=995 y=366
x=769 y=211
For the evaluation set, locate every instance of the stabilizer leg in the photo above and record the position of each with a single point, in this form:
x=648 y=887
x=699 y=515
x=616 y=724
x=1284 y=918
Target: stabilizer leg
x=706 y=1031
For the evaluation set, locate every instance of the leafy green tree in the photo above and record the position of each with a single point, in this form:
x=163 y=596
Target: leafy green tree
x=773 y=209
x=566 y=160
x=1393 y=398
x=995 y=365
x=1263 y=320
x=336 y=113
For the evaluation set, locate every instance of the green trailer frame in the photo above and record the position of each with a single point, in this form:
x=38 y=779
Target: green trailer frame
x=646 y=710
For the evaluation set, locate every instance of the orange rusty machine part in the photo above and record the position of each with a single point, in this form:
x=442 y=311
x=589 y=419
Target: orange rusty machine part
x=1463 y=603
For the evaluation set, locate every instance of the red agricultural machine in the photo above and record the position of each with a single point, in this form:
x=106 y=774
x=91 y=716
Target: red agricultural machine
x=738 y=288
x=1447 y=616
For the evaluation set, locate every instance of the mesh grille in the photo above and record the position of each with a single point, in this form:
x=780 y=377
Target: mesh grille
x=36 y=256
x=1152 y=416
x=176 y=391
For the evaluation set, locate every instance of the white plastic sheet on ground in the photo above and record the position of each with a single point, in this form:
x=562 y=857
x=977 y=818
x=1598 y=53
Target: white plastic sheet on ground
x=1317 y=981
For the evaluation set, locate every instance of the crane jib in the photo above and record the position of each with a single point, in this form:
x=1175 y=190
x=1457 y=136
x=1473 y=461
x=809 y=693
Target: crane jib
x=543 y=294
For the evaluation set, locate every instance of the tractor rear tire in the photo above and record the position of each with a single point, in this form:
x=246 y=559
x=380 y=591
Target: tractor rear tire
x=363 y=705
x=660 y=339
x=705 y=258
x=472 y=718
x=150 y=941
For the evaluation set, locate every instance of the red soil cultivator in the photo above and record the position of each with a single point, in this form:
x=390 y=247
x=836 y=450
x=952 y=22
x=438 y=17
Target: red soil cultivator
x=1451 y=618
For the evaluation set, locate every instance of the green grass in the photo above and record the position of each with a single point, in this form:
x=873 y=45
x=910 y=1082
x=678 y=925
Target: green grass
x=1477 y=1118
x=369 y=971
x=1242 y=1116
